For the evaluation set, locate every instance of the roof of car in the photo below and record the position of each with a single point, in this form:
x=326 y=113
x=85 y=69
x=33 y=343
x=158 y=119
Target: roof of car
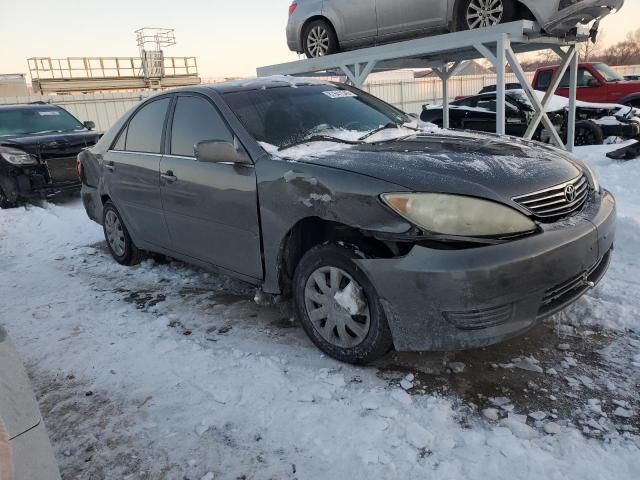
x=29 y=106
x=261 y=83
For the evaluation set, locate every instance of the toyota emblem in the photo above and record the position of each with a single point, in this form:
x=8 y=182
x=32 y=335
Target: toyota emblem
x=570 y=193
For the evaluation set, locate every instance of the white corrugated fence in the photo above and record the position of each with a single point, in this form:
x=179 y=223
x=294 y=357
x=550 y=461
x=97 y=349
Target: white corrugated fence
x=408 y=95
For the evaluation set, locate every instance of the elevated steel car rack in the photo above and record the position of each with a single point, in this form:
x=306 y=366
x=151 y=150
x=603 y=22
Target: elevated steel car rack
x=446 y=53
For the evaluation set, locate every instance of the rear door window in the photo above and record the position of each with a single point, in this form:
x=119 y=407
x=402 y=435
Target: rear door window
x=196 y=120
x=144 y=133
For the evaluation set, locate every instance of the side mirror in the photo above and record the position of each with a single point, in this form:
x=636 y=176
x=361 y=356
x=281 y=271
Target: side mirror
x=593 y=82
x=89 y=125
x=219 y=151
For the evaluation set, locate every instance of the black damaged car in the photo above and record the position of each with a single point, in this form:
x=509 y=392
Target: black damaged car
x=595 y=122
x=39 y=145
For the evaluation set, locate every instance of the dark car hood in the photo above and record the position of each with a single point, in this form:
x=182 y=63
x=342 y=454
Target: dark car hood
x=479 y=165
x=52 y=143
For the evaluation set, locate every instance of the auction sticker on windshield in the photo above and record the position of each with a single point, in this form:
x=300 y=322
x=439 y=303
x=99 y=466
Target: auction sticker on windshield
x=339 y=94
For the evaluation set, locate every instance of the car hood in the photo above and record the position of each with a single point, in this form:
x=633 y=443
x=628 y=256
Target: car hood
x=488 y=166
x=52 y=143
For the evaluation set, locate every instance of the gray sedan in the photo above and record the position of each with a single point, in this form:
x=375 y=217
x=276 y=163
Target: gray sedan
x=384 y=234
x=323 y=27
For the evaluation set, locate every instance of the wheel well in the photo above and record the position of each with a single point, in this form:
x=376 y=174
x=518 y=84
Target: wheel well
x=313 y=19
x=522 y=11
x=105 y=198
x=312 y=231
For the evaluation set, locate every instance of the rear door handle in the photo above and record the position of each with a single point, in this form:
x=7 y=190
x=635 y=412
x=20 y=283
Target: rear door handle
x=169 y=176
x=110 y=165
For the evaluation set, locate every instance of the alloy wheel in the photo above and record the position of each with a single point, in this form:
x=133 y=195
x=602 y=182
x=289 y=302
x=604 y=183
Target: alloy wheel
x=318 y=41
x=337 y=307
x=484 y=13
x=115 y=233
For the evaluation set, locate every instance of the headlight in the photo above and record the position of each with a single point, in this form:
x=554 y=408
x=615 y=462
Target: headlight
x=458 y=215
x=17 y=157
x=595 y=184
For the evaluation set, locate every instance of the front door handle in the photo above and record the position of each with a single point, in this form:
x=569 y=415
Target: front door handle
x=110 y=165
x=168 y=176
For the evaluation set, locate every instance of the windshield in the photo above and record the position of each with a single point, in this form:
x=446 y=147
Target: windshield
x=24 y=121
x=608 y=74
x=284 y=114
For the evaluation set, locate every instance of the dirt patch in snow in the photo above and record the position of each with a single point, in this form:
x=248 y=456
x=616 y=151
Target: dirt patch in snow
x=563 y=371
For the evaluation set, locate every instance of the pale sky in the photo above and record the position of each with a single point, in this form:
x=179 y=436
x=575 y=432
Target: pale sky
x=229 y=38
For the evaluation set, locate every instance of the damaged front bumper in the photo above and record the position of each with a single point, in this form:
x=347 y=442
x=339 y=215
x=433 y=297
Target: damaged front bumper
x=33 y=182
x=573 y=12
x=456 y=299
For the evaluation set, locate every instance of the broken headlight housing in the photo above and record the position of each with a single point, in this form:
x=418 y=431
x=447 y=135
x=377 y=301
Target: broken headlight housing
x=17 y=157
x=458 y=215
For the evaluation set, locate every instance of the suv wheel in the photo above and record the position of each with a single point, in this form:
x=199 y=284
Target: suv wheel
x=338 y=306
x=475 y=14
x=319 y=39
x=118 y=239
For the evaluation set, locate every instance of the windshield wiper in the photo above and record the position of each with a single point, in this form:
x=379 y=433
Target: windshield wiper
x=385 y=127
x=319 y=138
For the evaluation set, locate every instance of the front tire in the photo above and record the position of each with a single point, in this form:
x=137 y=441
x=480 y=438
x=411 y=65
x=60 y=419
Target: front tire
x=5 y=203
x=122 y=248
x=319 y=39
x=474 y=14
x=338 y=307
x=588 y=133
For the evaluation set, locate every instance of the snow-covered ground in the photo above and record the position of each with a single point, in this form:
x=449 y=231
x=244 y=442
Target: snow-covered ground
x=165 y=371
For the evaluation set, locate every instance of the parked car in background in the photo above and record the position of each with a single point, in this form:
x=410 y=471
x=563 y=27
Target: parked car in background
x=25 y=451
x=385 y=235
x=39 y=144
x=597 y=82
x=595 y=122
x=323 y=27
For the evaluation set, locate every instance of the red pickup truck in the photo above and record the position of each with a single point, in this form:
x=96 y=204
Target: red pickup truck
x=597 y=83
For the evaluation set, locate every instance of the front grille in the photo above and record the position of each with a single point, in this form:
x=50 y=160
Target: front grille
x=480 y=319
x=62 y=169
x=559 y=201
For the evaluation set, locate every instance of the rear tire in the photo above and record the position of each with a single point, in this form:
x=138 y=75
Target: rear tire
x=358 y=334
x=319 y=39
x=588 y=133
x=120 y=244
x=474 y=14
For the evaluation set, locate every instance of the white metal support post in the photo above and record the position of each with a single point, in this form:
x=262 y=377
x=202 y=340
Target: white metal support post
x=445 y=73
x=359 y=74
x=569 y=57
x=573 y=87
x=501 y=64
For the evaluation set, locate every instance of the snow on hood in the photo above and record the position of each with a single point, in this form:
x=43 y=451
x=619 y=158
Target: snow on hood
x=321 y=149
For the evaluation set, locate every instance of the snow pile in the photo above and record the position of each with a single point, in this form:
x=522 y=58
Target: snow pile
x=615 y=303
